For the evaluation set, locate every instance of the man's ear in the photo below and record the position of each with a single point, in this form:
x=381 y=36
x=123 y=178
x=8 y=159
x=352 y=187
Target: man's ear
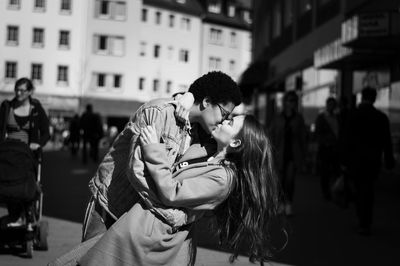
x=235 y=143
x=205 y=103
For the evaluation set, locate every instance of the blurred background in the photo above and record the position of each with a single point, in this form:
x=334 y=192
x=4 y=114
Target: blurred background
x=117 y=54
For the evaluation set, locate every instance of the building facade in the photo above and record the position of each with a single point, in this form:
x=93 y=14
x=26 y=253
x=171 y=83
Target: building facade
x=327 y=48
x=114 y=54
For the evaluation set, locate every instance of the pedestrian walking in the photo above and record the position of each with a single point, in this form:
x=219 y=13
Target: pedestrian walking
x=92 y=130
x=288 y=136
x=327 y=134
x=367 y=140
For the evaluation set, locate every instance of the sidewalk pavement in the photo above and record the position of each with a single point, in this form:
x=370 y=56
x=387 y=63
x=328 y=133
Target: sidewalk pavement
x=64 y=235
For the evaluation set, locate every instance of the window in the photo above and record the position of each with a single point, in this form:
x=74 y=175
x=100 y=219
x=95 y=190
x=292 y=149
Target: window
x=232 y=65
x=277 y=20
x=233 y=41
x=181 y=1
x=144 y=14
x=246 y=16
x=109 y=45
x=141 y=83
x=40 y=5
x=64 y=39
x=65 y=6
x=304 y=6
x=36 y=72
x=287 y=13
x=214 y=63
x=183 y=55
x=62 y=74
x=171 y=21
x=158 y=17
x=156 y=51
x=143 y=48
x=106 y=9
x=214 y=7
x=14 y=4
x=215 y=36
x=38 y=37
x=117 y=81
x=12 y=35
x=101 y=80
x=10 y=70
x=156 y=85
x=169 y=86
x=185 y=23
x=231 y=11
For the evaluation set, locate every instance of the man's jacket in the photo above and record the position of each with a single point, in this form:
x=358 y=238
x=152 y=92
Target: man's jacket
x=122 y=172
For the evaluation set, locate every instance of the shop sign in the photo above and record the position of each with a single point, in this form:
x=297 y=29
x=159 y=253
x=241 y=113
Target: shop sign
x=330 y=53
x=365 y=25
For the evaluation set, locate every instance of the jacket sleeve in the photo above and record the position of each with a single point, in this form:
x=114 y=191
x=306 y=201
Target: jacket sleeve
x=44 y=125
x=135 y=171
x=200 y=189
x=387 y=145
x=3 y=115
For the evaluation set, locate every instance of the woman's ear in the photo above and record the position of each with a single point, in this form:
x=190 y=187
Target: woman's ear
x=235 y=143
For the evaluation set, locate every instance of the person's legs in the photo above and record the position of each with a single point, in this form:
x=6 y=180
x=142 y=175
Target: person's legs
x=288 y=178
x=364 y=199
x=84 y=150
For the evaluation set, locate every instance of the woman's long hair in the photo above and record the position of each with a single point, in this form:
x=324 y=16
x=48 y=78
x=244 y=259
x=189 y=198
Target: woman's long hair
x=245 y=216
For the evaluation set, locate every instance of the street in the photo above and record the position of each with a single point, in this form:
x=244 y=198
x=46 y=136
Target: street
x=320 y=233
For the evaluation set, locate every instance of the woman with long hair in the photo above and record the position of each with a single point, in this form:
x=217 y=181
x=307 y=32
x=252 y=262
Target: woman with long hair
x=238 y=183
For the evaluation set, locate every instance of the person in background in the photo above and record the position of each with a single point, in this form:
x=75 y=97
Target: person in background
x=92 y=129
x=288 y=136
x=23 y=119
x=327 y=134
x=367 y=139
x=74 y=135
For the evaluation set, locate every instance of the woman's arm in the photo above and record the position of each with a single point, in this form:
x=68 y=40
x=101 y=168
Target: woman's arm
x=202 y=187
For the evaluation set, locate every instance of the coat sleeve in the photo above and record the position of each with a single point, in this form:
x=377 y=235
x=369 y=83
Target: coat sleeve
x=199 y=189
x=44 y=125
x=136 y=166
x=3 y=118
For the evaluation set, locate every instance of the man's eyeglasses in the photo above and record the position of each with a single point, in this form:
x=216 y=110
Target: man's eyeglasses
x=21 y=90
x=224 y=113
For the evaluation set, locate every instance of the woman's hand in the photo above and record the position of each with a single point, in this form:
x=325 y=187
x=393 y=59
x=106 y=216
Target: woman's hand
x=183 y=104
x=148 y=135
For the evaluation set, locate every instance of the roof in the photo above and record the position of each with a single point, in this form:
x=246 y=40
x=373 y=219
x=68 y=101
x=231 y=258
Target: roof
x=222 y=19
x=191 y=7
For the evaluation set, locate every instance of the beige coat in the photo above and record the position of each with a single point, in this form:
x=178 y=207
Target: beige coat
x=139 y=237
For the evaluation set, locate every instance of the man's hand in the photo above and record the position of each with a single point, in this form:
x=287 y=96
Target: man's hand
x=148 y=135
x=183 y=104
x=34 y=146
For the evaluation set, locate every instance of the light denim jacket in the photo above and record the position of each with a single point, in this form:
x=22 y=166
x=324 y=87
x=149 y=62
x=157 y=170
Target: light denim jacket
x=122 y=172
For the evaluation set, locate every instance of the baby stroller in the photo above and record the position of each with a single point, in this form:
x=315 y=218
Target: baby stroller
x=20 y=171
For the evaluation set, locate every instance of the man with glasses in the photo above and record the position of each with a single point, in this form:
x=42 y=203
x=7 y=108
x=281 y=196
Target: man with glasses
x=120 y=180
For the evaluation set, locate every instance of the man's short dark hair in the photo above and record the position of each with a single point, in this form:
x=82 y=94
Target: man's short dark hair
x=218 y=87
x=368 y=94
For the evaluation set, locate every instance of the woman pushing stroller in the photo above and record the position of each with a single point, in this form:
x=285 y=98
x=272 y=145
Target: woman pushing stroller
x=24 y=127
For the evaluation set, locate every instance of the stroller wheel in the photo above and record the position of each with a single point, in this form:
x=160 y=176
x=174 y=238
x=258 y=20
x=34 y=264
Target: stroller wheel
x=41 y=237
x=29 y=248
